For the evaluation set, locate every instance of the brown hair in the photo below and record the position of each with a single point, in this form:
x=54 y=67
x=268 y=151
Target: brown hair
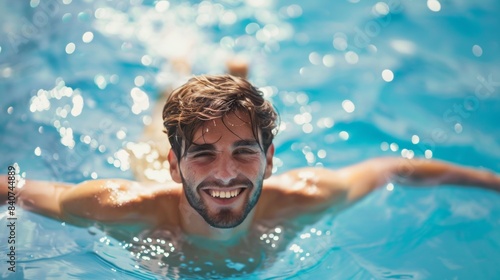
x=211 y=97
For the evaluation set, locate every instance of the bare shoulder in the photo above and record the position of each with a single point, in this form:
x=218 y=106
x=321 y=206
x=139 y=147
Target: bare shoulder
x=118 y=200
x=116 y=192
x=303 y=190
x=308 y=181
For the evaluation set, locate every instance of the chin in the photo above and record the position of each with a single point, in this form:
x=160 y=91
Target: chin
x=225 y=218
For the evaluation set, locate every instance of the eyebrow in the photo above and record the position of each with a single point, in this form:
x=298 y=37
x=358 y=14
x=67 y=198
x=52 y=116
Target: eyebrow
x=200 y=147
x=246 y=142
x=210 y=147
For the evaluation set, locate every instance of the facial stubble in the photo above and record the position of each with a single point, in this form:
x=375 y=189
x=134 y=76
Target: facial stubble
x=226 y=216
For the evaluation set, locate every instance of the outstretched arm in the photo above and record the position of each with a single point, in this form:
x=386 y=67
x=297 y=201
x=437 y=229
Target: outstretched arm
x=38 y=196
x=310 y=189
x=362 y=178
x=96 y=200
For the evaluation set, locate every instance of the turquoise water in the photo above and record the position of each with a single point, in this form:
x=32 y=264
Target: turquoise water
x=351 y=80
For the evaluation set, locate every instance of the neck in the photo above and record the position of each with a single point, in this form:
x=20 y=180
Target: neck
x=193 y=224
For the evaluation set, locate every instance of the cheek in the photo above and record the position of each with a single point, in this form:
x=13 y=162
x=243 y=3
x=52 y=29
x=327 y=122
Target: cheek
x=194 y=173
x=188 y=173
x=256 y=169
x=194 y=169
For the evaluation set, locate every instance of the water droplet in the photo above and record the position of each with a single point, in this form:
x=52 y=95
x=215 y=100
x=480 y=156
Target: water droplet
x=340 y=41
x=70 y=48
x=315 y=58
x=351 y=57
x=88 y=37
x=328 y=60
x=307 y=128
x=387 y=75
x=394 y=147
x=477 y=50
x=344 y=135
x=146 y=60
x=162 y=6
x=139 y=81
x=428 y=154
x=66 y=17
x=34 y=3
x=348 y=106
x=381 y=9
x=384 y=146
x=251 y=28
x=434 y=5
x=322 y=153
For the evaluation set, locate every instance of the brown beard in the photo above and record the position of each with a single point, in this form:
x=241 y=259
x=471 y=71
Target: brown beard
x=225 y=218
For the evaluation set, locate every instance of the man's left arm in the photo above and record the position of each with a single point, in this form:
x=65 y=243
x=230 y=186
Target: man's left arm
x=310 y=189
x=362 y=178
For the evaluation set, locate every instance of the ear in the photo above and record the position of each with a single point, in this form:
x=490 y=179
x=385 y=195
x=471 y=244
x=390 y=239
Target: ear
x=174 y=167
x=269 y=161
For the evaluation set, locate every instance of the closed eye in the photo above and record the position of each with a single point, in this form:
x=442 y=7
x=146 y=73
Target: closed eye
x=203 y=154
x=245 y=152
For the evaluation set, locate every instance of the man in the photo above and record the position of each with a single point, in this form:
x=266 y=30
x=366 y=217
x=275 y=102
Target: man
x=221 y=131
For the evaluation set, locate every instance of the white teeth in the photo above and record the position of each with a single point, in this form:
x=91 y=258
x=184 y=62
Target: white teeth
x=224 y=194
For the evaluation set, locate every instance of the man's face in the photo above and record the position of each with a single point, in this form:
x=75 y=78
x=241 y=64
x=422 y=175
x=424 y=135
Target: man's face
x=223 y=170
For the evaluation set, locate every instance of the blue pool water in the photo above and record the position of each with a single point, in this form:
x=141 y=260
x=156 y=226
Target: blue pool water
x=351 y=80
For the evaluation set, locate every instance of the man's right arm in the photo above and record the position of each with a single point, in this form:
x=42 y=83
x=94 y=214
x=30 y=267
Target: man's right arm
x=96 y=200
x=38 y=196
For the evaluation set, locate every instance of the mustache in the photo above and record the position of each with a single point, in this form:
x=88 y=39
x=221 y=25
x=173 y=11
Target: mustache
x=232 y=183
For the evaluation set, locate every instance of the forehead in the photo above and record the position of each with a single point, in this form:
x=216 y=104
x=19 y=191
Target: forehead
x=232 y=127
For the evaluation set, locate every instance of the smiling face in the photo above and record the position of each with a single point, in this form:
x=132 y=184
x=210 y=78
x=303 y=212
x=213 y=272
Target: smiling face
x=223 y=170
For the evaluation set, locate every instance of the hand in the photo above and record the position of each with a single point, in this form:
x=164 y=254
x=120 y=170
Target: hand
x=7 y=190
x=491 y=180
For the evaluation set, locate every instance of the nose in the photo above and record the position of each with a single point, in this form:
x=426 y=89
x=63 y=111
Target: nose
x=225 y=170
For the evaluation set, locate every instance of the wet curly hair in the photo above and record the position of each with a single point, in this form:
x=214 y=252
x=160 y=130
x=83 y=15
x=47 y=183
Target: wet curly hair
x=209 y=97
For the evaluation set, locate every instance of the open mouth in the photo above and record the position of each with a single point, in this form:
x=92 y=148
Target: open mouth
x=224 y=196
